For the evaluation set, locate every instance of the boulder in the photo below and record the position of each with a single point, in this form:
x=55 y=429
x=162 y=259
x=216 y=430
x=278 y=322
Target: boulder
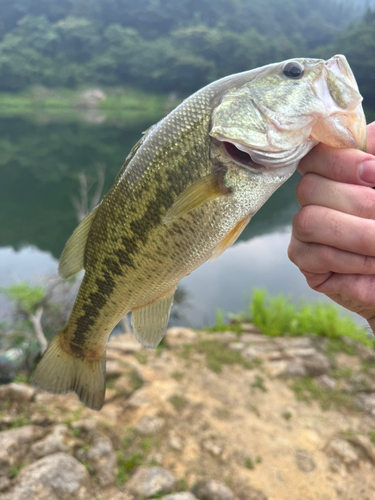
x=17 y=393
x=56 y=477
x=149 y=425
x=58 y=440
x=14 y=444
x=102 y=456
x=149 y=481
x=178 y=335
x=213 y=490
x=305 y=461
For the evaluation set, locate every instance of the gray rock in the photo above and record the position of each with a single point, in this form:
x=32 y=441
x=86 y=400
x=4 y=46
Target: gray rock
x=185 y=495
x=326 y=382
x=149 y=425
x=114 y=369
x=305 y=461
x=365 y=445
x=178 y=335
x=367 y=403
x=175 y=442
x=57 y=441
x=214 y=449
x=250 y=353
x=254 y=338
x=294 y=369
x=293 y=342
x=213 y=490
x=59 y=476
x=252 y=329
x=18 y=393
x=102 y=456
x=148 y=481
x=316 y=365
x=139 y=399
x=237 y=346
x=14 y=443
x=342 y=450
x=300 y=352
x=5 y=483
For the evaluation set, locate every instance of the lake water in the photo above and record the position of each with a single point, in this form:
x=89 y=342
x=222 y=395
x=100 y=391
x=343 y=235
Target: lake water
x=41 y=159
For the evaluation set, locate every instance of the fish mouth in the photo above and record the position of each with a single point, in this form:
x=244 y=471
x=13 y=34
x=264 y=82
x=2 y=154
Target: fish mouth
x=265 y=161
x=241 y=156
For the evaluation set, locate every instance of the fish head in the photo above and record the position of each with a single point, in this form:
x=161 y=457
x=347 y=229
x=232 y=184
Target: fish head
x=267 y=119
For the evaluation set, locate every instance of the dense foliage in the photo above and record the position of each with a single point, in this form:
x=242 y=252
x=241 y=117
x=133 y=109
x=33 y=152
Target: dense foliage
x=170 y=45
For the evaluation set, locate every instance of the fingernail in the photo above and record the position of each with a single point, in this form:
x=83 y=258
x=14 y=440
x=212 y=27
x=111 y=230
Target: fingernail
x=366 y=172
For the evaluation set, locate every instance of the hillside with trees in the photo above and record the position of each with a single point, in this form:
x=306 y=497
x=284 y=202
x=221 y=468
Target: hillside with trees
x=173 y=46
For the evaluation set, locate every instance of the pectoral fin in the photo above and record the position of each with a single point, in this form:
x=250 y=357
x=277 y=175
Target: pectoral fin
x=150 y=322
x=72 y=258
x=230 y=238
x=202 y=191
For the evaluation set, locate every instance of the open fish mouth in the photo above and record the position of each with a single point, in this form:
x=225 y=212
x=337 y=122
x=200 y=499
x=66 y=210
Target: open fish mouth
x=259 y=161
x=241 y=156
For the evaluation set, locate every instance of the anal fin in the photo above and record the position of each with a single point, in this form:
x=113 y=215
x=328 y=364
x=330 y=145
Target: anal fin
x=230 y=238
x=150 y=322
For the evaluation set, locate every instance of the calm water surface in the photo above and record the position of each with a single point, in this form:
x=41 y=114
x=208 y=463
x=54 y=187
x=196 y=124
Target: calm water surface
x=40 y=163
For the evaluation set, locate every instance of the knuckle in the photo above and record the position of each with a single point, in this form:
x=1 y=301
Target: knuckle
x=368 y=262
x=336 y=167
x=326 y=257
x=305 y=188
x=302 y=222
x=366 y=201
x=367 y=237
x=295 y=251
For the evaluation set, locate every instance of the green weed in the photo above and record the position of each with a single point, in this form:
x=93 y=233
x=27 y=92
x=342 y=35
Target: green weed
x=259 y=383
x=222 y=326
x=248 y=463
x=135 y=380
x=132 y=453
x=217 y=355
x=179 y=402
x=277 y=316
x=178 y=375
x=141 y=357
x=305 y=389
x=21 y=378
x=287 y=415
x=14 y=470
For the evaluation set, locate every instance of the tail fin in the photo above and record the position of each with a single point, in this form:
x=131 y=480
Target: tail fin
x=59 y=372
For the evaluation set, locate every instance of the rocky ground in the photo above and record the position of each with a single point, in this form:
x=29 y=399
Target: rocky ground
x=213 y=416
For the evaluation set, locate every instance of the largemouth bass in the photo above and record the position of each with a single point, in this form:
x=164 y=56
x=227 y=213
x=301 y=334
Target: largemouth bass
x=183 y=196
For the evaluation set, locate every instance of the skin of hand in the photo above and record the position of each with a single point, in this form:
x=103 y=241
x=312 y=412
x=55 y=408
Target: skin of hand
x=333 y=237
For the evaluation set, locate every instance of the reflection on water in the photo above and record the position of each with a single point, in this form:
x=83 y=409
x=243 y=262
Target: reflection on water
x=40 y=165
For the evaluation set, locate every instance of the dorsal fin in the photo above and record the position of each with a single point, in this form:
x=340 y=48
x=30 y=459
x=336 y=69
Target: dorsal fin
x=72 y=258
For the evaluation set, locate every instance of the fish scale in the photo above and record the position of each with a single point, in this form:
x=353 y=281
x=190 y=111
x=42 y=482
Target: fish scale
x=182 y=197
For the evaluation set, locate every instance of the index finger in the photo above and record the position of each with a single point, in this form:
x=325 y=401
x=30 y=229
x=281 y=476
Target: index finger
x=342 y=165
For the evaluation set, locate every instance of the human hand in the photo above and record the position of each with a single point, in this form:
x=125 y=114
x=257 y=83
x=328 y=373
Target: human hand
x=333 y=237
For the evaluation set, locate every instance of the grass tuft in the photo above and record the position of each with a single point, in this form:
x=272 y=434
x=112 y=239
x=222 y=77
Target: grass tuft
x=217 y=355
x=178 y=401
x=307 y=390
x=277 y=316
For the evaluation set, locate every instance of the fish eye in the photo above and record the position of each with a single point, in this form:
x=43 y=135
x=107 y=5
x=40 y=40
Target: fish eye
x=293 y=70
